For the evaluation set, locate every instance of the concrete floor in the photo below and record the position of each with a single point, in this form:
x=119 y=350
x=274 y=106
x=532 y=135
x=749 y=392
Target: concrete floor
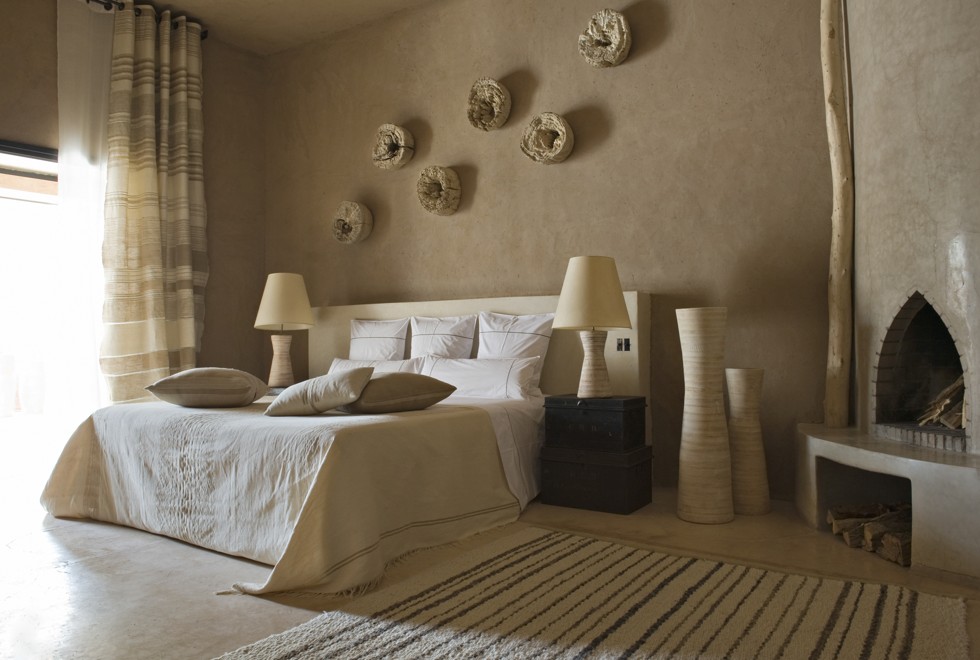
x=77 y=589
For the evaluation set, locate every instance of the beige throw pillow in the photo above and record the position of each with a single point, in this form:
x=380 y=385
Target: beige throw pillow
x=209 y=387
x=320 y=394
x=398 y=392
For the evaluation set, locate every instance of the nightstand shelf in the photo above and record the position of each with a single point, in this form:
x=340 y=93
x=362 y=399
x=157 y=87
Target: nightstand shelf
x=594 y=455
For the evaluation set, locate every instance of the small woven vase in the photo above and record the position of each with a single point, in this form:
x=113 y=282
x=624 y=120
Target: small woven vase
x=750 y=483
x=704 y=488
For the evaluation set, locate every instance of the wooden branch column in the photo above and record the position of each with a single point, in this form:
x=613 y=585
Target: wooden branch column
x=832 y=54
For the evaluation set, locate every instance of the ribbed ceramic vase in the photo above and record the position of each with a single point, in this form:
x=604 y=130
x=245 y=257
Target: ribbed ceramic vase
x=750 y=483
x=704 y=488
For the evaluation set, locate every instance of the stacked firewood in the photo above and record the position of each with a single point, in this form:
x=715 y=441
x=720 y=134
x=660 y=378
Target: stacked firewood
x=946 y=408
x=879 y=528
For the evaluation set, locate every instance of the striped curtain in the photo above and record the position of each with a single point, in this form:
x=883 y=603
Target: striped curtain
x=155 y=247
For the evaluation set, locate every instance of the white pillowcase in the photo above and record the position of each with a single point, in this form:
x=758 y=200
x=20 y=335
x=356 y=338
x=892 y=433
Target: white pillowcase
x=413 y=366
x=320 y=394
x=507 y=336
x=495 y=378
x=378 y=340
x=448 y=336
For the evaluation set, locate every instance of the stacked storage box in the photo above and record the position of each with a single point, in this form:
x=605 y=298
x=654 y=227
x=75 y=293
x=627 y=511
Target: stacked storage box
x=594 y=456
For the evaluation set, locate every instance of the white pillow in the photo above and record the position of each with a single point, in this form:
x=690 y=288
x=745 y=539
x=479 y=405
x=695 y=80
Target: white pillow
x=449 y=336
x=506 y=336
x=378 y=340
x=494 y=378
x=412 y=366
x=320 y=394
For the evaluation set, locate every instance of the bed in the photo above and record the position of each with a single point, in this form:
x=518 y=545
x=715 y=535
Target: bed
x=328 y=500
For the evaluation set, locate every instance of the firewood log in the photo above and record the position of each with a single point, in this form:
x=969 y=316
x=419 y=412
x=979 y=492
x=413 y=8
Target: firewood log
x=844 y=511
x=854 y=537
x=944 y=402
x=896 y=547
x=895 y=521
x=954 y=418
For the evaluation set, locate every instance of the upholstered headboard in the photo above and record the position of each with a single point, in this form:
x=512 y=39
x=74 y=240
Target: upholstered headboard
x=629 y=371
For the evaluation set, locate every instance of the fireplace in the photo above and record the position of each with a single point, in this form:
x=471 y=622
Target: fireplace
x=907 y=352
x=916 y=281
x=919 y=372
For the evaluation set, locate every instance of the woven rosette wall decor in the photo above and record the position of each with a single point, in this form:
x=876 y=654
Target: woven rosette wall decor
x=352 y=222
x=606 y=42
x=548 y=139
x=439 y=190
x=393 y=147
x=488 y=106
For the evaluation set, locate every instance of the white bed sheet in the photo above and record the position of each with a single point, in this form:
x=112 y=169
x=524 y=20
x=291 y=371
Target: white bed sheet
x=519 y=427
x=328 y=500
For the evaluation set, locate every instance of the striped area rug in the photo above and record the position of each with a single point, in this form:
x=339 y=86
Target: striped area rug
x=543 y=594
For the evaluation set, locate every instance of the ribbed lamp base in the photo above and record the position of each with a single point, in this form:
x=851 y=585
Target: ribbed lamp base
x=594 y=381
x=281 y=374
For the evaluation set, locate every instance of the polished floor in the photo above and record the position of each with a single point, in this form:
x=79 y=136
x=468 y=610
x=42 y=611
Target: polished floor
x=75 y=589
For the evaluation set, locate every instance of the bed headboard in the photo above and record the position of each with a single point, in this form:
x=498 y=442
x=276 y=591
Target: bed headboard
x=629 y=371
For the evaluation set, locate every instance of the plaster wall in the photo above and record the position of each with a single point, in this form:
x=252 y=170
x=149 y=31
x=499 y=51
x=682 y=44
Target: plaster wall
x=29 y=72
x=700 y=164
x=234 y=179
x=916 y=81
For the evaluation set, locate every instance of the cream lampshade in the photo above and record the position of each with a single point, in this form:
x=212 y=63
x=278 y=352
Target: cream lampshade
x=285 y=306
x=592 y=302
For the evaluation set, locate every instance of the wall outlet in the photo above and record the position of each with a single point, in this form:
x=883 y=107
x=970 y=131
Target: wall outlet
x=622 y=344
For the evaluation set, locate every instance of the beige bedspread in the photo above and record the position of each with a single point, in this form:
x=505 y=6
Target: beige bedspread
x=328 y=500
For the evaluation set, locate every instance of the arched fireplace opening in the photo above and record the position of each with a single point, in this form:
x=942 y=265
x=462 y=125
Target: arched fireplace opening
x=919 y=380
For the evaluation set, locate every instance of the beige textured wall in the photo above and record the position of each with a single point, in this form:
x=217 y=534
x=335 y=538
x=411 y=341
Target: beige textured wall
x=916 y=80
x=234 y=167
x=700 y=165
x=29 y=72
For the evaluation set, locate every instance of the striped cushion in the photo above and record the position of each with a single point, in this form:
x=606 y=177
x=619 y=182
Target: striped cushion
x=320 y=394
x=209 y=387
x=399 y=392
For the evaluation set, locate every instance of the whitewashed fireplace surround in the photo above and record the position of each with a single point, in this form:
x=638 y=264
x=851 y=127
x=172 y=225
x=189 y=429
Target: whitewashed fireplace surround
x=917 y=230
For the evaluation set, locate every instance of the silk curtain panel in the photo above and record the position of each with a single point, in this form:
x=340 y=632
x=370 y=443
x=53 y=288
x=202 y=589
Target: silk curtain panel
x=155 y=247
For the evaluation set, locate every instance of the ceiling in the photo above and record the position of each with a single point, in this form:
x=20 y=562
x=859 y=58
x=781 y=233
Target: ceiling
x=269 y=26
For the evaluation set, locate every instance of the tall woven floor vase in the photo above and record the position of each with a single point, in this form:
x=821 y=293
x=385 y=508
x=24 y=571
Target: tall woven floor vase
x=750 y=483
x=704 y=489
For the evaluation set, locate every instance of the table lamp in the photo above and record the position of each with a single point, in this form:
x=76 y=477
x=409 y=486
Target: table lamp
x=285 y=306
x=592 y=302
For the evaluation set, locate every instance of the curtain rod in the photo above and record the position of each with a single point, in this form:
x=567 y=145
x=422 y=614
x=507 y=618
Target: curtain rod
x=109 y=5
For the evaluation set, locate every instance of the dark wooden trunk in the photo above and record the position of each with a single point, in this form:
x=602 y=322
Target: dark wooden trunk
x=614 y=482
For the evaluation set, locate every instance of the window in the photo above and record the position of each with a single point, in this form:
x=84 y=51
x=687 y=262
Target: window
x=28 y=213
x=28 y=173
